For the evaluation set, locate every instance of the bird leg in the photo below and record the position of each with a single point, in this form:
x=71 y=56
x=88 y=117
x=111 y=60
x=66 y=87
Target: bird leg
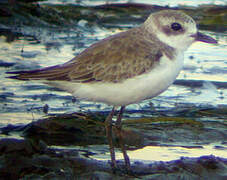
x=108 y=126
x=121 y=141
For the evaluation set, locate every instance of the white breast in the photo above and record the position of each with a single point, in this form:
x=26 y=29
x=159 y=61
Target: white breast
x=131 y=90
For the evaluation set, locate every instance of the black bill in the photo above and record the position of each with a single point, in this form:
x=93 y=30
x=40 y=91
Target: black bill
x=204 y=38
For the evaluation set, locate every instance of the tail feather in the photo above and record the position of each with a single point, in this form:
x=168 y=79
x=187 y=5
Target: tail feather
x=49 y=73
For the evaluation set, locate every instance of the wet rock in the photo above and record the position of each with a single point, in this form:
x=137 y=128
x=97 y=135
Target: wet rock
x=22 y=160
x=79 y=129
x=4 y=97
x=6 y=64
x=76 y=128
x=20 y=146
x=88 y=129
x=32 y=159
x=63 y=164
x=189 y=168
x=53 y=45
x=178 y=130
x=30 y=54
x=213 y=112
x=199 y=83
x=25 y=65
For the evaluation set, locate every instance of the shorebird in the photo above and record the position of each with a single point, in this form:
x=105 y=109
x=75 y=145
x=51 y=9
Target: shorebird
x=127 y=67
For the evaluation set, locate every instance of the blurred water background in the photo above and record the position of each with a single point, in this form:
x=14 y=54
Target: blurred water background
x=172 y=3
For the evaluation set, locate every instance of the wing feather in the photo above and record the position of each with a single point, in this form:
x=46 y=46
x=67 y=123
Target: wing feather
x=116 y=58
x=113 y=59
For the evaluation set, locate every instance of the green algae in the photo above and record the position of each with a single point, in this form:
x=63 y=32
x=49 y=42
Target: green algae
x=77 y=128
x=220 y=113
x=214 y=18
x=179 y=120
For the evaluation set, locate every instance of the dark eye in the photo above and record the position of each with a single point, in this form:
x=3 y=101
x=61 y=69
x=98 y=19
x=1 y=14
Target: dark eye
x=176 y=26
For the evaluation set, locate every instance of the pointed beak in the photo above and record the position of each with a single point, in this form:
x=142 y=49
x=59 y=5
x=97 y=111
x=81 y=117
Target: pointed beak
x=204 y=38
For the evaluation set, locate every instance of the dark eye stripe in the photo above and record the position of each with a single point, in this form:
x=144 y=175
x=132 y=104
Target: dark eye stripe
x=176 y=26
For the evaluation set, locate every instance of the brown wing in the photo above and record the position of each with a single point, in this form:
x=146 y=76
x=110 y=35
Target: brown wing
x=113 y=59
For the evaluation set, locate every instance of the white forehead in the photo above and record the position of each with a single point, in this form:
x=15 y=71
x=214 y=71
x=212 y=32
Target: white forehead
x=172 y=15
x=167 y=17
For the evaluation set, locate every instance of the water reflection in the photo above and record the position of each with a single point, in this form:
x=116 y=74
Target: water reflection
x=164 y=153
x=156 y=153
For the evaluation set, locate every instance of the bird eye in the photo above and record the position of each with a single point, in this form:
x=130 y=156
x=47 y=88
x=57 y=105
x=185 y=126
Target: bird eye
x=176 y=26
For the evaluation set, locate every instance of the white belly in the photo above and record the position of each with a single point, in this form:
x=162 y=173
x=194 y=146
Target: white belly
x=131 y=90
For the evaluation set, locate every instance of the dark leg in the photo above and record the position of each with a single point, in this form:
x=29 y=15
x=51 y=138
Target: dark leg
x=119 y=135
x=108 y=126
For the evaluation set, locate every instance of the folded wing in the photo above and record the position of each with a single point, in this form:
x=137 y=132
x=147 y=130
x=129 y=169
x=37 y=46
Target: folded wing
x=113 y=59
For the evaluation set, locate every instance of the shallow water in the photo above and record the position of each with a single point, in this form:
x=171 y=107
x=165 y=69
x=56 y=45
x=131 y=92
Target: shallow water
x=23 y=101
x=165 y=153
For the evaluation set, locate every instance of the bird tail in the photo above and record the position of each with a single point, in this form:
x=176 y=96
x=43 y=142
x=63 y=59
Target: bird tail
x=49 y=73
